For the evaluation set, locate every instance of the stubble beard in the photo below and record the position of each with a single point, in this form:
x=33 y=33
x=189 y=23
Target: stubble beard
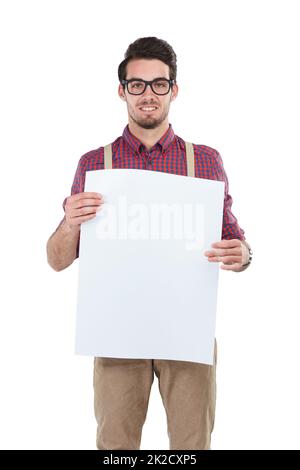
x=150 y=122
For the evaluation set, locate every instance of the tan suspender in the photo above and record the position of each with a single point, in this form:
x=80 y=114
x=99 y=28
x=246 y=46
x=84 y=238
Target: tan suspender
x=107 y=157
x=190 y=159
x=189 y=150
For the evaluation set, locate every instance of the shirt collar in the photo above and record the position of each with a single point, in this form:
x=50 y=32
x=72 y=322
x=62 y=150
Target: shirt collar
x=136 y=144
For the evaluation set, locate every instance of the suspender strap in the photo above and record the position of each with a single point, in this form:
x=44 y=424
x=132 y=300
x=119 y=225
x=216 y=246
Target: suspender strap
x=190 y=159
x=107 y=157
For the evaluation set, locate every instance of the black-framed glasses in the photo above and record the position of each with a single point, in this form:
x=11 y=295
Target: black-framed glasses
x=159 y=86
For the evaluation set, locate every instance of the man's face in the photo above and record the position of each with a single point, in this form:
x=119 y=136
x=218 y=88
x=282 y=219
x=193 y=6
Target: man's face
x=147 y=69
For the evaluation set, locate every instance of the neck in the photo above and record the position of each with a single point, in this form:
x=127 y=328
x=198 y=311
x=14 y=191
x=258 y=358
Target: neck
x=148 y=137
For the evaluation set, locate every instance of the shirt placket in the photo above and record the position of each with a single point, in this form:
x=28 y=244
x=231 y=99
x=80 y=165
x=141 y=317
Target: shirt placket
x=148 y=158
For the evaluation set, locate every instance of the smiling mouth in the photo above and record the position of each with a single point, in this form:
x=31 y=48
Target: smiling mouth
x=148 y=109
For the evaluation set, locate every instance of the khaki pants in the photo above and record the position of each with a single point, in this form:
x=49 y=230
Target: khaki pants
x=122 y=389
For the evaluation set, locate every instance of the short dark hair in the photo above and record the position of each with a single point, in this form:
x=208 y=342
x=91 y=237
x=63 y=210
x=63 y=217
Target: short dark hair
x=149 y=48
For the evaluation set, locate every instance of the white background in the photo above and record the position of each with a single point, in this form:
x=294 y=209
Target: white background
x=238 y=76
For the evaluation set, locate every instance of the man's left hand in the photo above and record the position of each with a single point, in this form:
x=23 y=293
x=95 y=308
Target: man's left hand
x=232 y=253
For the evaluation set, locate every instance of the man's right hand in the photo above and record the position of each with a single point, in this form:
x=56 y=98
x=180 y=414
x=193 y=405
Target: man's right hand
x=81 y=207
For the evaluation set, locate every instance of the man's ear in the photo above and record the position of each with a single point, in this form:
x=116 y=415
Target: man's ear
x=121 y=92
x=174 y=91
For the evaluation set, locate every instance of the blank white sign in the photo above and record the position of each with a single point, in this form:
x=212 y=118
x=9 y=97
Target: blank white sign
x=145 y=289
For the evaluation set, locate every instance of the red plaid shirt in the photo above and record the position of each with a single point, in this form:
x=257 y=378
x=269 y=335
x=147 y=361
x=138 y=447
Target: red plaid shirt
x=167 y=155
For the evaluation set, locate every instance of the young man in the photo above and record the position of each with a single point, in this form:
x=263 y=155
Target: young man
x=148 y=85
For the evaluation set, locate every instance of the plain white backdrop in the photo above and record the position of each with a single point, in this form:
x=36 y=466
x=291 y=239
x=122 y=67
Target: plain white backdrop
x=238 y=77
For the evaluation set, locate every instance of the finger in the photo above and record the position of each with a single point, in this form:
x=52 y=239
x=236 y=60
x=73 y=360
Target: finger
x=86 y=202
x=82 y=211
x=230 y=267
x=85 y=195
x=227 y=252
x=79 y=220
x=226 y=259
x=227 y=243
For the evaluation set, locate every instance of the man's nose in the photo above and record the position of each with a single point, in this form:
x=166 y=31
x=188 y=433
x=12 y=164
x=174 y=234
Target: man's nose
x=148 y=90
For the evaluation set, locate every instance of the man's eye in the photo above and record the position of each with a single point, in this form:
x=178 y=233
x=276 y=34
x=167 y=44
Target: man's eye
x=160 y=84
